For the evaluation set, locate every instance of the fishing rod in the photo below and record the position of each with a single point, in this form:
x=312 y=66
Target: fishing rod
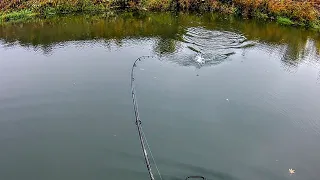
x=137 y=118
x=142 y=136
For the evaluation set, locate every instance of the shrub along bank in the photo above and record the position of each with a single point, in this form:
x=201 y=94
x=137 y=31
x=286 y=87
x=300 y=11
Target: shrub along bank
x=285 y=12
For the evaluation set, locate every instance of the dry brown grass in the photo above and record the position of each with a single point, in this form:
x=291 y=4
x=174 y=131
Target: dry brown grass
x=296 y=10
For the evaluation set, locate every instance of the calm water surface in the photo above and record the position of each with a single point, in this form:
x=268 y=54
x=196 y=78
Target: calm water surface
x=224 y=98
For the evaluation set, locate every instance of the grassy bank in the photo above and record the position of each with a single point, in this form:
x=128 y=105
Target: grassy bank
x=285 y=12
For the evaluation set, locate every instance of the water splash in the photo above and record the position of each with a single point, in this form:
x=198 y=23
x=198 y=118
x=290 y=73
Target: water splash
x=204 y=47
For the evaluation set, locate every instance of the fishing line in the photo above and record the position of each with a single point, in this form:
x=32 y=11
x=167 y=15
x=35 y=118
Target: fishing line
x=142 y=137
x=154 y=161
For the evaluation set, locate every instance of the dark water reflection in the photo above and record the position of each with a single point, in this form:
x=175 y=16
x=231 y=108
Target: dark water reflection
x=172 y=32
x=223 y=97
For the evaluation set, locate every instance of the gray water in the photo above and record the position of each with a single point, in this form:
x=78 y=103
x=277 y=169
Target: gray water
x=222 y=98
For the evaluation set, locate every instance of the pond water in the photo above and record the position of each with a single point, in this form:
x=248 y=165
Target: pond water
x=221 y=97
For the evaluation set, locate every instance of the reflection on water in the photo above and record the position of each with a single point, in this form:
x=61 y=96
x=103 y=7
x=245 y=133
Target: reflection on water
x=214 y=37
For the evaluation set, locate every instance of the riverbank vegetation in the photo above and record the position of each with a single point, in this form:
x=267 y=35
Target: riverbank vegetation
x=285 y=12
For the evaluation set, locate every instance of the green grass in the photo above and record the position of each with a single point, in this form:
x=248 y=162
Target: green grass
x=315 y=25
x=261 y=15
x=17 y=16
x=46 y=11
x=285 y=21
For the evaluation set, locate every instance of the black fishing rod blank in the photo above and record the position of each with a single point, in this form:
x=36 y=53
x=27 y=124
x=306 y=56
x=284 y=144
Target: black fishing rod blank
x=142 y=137
x=137 y=119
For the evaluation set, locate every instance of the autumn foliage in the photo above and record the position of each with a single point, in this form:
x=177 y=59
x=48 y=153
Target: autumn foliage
x=296 y=10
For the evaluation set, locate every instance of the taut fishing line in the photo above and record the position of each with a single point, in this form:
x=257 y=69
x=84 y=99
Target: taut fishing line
x=142 y=136
x=143 y=140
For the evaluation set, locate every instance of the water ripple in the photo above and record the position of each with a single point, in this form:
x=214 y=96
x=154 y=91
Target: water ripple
x=209 y=47
x=206 y=40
